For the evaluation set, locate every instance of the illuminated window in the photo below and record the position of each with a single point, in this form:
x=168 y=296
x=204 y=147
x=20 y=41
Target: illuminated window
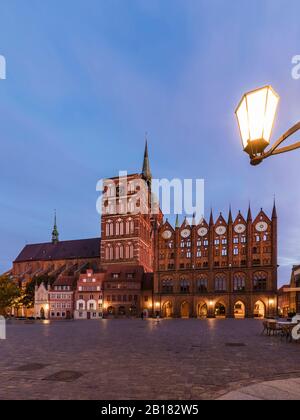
x=239 y=282
x=220 y=282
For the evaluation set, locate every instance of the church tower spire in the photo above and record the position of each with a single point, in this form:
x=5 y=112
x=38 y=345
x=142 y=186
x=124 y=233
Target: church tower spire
x=146 y=172
x=55 y=234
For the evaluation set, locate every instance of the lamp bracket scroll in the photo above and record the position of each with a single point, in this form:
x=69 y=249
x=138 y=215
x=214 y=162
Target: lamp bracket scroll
x=275 y=149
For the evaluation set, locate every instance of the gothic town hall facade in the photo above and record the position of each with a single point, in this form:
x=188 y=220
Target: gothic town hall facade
x=223 y=266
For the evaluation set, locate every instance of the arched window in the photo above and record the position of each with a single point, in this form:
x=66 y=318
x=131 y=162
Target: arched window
x=167 y=285
x=260 y=280
x=130 y=251
x=129 y=227
x=239 y=282
x=220 y=282
x=117 y=227
x=121 y=252
x=184 y=286
x=117 y=252
x=130 y=206
x=202 y=284
x=108 y=228
x=109 y=252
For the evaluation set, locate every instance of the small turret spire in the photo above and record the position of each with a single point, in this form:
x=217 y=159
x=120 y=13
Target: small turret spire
x=55 y=234
x=194 y=219
x=177 y=221
x=229 y=215
x=146 y=172
x=211 y=219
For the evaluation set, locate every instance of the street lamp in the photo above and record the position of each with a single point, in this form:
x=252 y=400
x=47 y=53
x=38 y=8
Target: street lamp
x=256 y=114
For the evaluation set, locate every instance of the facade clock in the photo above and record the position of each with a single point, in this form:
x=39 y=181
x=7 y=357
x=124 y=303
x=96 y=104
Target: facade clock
x=185 y=233
x=261 y=226
x=240 y=228
x=167 y=234
x=202 y=231
x=220 y=230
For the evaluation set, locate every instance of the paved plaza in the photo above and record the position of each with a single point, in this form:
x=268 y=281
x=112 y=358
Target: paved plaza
x=135 y=359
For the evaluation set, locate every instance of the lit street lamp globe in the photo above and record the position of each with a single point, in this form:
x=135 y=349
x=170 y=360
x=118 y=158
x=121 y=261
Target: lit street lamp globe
x=256 y=114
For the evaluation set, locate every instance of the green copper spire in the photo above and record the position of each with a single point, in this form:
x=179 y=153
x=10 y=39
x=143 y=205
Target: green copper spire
x=146 y=172
x=55 y=234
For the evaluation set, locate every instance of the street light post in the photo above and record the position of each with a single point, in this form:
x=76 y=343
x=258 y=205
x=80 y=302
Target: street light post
x=256 y=114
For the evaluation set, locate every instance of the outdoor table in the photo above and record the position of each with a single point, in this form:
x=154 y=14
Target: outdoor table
x=287 y=328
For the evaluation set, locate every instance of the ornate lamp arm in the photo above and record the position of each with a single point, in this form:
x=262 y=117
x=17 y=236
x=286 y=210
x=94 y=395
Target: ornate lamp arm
x=255 y=160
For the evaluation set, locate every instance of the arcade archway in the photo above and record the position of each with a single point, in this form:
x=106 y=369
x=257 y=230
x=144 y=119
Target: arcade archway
x=167 y=310
x=259 y=309
x=220 y=310
x=239 y=310
x=185 y=310
x=202 y=310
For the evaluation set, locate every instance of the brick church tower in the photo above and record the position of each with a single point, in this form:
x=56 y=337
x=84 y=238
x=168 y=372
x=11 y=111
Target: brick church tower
x=126 y=219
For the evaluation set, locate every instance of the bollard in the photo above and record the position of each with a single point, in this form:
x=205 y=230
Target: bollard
x=2 y=328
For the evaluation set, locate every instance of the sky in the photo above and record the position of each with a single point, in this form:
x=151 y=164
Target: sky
x=85 y=79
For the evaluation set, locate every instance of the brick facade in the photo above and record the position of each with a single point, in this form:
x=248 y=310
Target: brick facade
x=217 y=267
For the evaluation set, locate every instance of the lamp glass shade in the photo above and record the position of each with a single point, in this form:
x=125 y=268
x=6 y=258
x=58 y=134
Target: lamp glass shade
x=256 y=115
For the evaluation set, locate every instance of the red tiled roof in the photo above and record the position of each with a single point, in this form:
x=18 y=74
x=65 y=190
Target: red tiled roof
x=82 y=248
x=64 y=281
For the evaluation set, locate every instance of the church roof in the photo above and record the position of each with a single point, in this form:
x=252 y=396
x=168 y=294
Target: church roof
x=81 y=248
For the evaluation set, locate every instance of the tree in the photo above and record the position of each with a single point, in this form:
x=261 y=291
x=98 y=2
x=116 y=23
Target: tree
x=28 y=294
x=9 y=294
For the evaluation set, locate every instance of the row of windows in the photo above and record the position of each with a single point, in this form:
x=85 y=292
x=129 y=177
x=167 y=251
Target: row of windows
x=93 y=315
x=126 y=285
x=204 y=264
x=217 y=241
x=91 y=306
x=61 y=305
x=119 y=227
x=61 y=296
x=62 y=288
x=113 y=190
x=218 y=252
x=89 y=288
x=121 y=207
x=118 y=252
x=118 y=275
x=81 y=297
x=220 y=283
x=122 y=298
x=58 y=314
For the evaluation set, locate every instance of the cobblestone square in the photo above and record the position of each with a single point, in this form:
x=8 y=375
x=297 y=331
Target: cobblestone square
x=135 y=359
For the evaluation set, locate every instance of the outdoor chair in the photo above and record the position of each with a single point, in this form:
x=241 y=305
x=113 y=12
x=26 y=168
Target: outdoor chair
x=274 y=328
x=265 y=327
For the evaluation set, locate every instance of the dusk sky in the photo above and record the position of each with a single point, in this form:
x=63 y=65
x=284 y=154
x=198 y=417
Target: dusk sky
x=87 y=79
